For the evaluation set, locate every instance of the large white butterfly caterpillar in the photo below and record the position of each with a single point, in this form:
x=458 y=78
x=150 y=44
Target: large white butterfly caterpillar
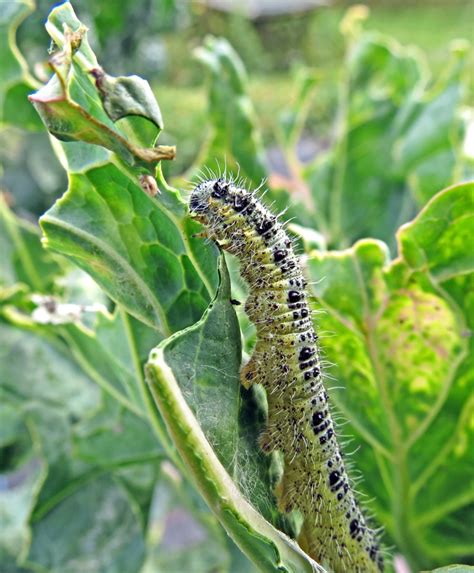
x=286 y=361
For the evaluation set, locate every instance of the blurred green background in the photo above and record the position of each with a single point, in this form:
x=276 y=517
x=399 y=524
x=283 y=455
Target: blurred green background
x=157 y=38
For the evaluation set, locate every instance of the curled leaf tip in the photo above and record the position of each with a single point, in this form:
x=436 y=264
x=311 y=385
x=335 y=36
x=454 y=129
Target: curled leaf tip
x=124 y=96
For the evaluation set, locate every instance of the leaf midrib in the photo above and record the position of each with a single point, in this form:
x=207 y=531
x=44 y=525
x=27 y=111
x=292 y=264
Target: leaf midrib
x=95 y=241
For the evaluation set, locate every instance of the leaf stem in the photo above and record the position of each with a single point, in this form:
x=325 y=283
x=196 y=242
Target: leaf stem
x=98 y=378
x=400 y=495
x=72 y=486
x=439 y=511
x=96 y=244
x=440 y=400
x=335 y=213
x=464 y=418
x=23 y=254
x=152 y=413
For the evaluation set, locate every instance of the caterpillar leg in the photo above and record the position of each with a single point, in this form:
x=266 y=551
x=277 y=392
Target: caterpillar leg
x=259 y=368
x=204 y=234
x=249 y=373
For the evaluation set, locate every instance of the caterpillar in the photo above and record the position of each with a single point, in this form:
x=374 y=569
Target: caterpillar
x=287 y=362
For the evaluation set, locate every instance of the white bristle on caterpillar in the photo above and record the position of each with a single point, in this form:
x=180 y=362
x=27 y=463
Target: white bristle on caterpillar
x=287 y=363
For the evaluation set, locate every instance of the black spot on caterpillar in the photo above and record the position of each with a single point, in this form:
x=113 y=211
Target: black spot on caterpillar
x=286 y=361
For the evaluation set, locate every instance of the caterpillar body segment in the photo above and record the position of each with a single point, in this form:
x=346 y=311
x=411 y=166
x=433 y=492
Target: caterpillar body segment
x=287 y=363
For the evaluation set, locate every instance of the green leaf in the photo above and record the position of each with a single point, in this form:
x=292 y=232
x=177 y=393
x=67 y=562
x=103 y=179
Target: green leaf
x=183 y=537
x=398 y=142
x=17 y=82
x=104 y=364
x=23 y=258
x=78 y=432
x=139 y=480
x=11 y=424
x=197 y=357
x=139 y=249
x=117 y=440
x=123 y=440
x=69 y=450
x=99 y=532
x=453 y=569
x=17 y=498
x=292 y=120
x=436 y=243
x=429 y=131
x=401 y=346
x=212 y=345
x=235 y=138
x=125 y=96
x=48 y=373
x=50 y=396
x=141 y=252
x=74 y=108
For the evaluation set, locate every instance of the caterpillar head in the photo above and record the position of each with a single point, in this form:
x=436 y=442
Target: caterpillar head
x=204 y=196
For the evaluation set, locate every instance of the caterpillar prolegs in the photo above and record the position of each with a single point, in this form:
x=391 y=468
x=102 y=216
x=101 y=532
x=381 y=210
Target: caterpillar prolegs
x=286 y=361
